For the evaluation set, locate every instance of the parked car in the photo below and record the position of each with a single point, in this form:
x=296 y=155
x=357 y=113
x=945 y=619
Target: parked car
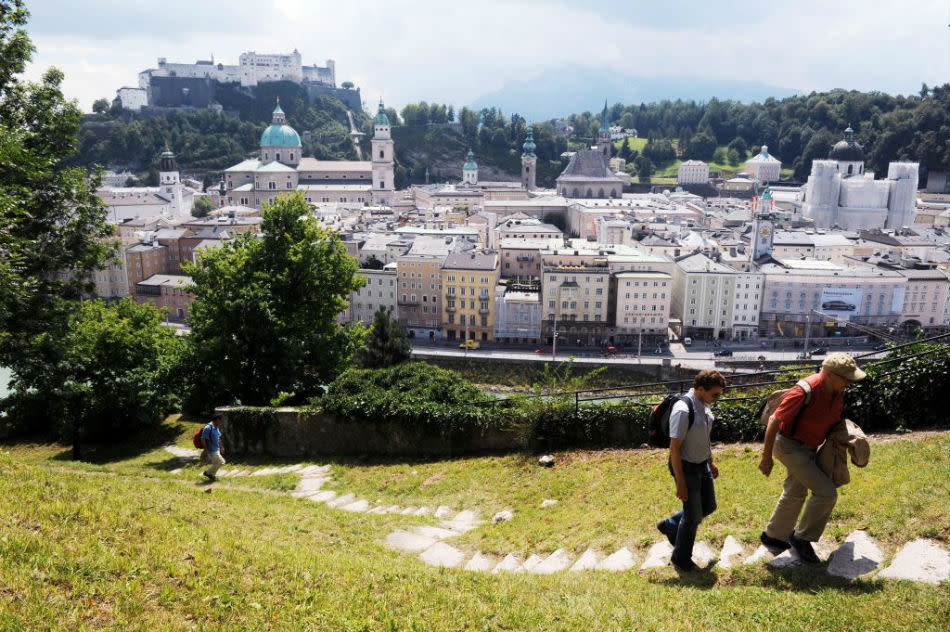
x=687 y=342
x=611 y=351
x=470 y=344
x=838 y=306
x=723 y=353
x=880 y=347
x=819 y=351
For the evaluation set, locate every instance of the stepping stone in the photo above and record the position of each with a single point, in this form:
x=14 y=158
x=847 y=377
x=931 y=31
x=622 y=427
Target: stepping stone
x=790 y=557
x=510 y=563
x=309 y=485
x=393 y=509
x=442 y=512
x=547 y=502
x=920 y=561
x=359 y=506
x=323 y=497
x=857 y=556
x=731 y=551
x=177 y=470
x=658 y=556
x=381 y=509
x=463 y=521
x=588 y=561
x=293 y=468
x=422 y=511
x=759 y=555
x=183 y=453
x=703 y=554
x=405 y=541
x=620 y=560
x=442 y=554
x=557 y=561
x=530 y=563
x=263 y=472
x=309 y=470
x=502 y=516
x=345 y=499
x=480 y=563
x=435 y=532
x=408 y=511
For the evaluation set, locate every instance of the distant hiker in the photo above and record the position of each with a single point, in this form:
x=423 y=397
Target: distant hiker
x=691 y=464
x=211 y=437
x=801 y=428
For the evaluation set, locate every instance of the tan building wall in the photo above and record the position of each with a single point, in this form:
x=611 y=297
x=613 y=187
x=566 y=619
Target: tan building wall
x=468 y=303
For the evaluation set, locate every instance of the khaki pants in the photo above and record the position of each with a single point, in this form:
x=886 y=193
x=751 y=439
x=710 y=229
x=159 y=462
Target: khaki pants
x=803 y=475
x=216 y=462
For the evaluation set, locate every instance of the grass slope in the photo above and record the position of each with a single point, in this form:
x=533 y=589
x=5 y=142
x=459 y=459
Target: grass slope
x=124 y=544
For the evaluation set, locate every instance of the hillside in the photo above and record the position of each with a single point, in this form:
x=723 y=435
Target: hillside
x=206 y=142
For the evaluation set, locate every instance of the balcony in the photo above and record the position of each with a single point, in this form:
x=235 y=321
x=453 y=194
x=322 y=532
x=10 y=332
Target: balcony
x=483 y=310
x=450 y=309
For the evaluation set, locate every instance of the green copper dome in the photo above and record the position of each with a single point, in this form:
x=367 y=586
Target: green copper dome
x=381 y=118
x=278 y=133
x=529 y=146
x=470 y=162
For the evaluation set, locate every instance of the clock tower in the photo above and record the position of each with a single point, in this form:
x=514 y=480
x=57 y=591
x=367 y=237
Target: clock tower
x=762 y=227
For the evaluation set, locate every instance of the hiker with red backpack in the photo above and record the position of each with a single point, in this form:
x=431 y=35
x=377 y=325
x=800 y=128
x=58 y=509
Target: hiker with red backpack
x=210 y=439
x=806 y=415
x=685 y=425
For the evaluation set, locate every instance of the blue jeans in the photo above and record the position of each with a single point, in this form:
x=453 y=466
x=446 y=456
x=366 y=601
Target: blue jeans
x=700 y=502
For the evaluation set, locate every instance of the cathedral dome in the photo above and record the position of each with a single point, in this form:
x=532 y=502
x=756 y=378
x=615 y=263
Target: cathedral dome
x=278 y=133
x=381 y=118
x=470 y=164
x=847 y=150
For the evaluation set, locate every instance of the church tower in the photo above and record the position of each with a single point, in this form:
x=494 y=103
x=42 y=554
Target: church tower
x=470 y=170
x=169 y=179
x=529 y=162
x=383 y=170
x=603 y=136
x=763 y=231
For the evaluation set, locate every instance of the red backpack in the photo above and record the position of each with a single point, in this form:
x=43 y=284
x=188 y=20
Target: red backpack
x=198 y=440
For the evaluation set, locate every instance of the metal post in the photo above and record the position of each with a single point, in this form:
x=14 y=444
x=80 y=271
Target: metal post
x=557 y=308
x=807 y=328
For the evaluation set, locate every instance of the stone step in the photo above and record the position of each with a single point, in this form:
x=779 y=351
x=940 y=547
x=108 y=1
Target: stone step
x=658 y=556
x=557 y=561
x=443 y=555
x=357 y=506
x=759 y=555
x=463 y=521
x=480 y=563
x=510 y=563
x=324 y=496
x=435 y=532
x=858 y=556
x=393 y=509
x=703 y=554
x=379 y=509
x=442 y=512
x=408 y=511
x=588 y=561
x=529 y=564
x=730 y=553
x=790 y=557
x=341 y=500
x=620 y=560
x=406 y=541
x=422 y=511
x=920 y=561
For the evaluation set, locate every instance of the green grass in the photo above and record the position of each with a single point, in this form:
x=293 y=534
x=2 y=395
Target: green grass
x=122 y=544
x=636 y=144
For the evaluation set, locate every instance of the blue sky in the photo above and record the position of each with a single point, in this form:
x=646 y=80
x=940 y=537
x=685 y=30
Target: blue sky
x=411 y=50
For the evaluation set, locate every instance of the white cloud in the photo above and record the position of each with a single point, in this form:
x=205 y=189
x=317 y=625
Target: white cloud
x=408 y=50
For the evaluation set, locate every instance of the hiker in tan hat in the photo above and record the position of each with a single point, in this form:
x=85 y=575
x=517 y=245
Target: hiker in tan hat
x=800 y=424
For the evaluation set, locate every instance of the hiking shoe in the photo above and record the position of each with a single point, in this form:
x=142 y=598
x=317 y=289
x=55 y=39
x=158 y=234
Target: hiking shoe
x=664 y=527
x=689 y=566
x=804 y=550
x=210 y=477
x=774 y=545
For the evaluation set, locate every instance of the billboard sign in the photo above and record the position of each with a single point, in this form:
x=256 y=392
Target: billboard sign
x=841 y=302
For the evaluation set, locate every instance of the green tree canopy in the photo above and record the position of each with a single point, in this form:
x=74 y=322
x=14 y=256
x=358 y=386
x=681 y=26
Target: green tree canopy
x=202 y=206
x=264 y=318
x=387 y=343
x=52 y=224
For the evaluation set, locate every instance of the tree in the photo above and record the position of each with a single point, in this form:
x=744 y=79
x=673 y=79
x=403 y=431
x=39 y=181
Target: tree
x=100 y=106
x=52 y=225
x=115 y=372
x=387 y=343
x=645 y=168
x=202 y=206
x=719 y=156
x=264 y=317
x=732 y=157
x=702 y=146
x=372 y=263
x=347 y=85
x=625 y=152
x=738 y=143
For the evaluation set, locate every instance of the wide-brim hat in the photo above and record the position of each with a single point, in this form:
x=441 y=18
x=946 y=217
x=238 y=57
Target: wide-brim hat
x=843 y=365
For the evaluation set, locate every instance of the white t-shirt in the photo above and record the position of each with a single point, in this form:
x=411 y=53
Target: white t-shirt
x=695 y=447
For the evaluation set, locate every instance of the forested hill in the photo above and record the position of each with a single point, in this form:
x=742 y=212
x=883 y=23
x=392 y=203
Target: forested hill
x=205 y=141
x=797 y=129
